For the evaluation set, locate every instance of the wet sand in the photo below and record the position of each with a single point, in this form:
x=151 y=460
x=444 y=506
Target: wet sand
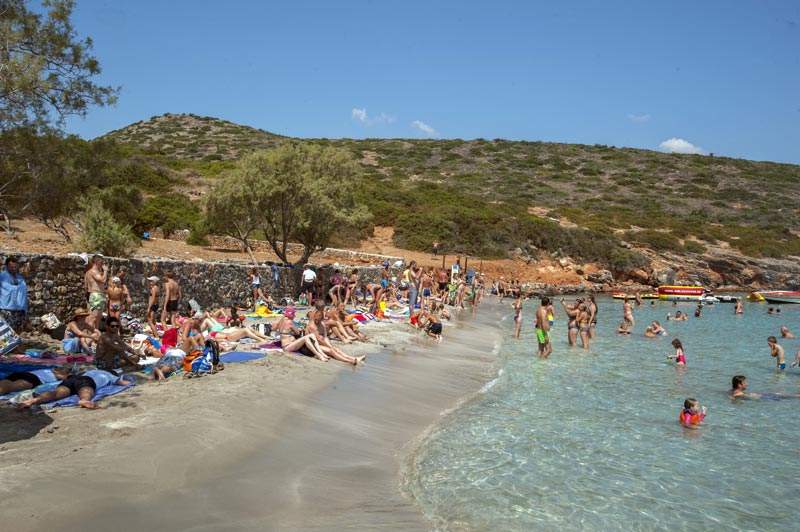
x=282 y=443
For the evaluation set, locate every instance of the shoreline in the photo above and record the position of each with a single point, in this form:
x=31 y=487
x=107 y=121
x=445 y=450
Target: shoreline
x=283 y=442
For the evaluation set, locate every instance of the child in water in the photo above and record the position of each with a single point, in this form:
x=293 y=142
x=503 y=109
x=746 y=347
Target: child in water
x=680 y=358
x=690 y=415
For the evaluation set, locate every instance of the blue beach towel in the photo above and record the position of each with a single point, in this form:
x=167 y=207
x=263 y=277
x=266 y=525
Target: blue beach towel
x=7 y=368
x=105 y=391
x=241 y=356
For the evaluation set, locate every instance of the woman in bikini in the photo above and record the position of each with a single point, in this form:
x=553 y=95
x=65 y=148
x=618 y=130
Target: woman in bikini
x=592 y=309
x=517 y=315
x=220 y=333
x=352 y=284
x=627 y=312
x=292 y=340
x=583 y=325
x=572 y=322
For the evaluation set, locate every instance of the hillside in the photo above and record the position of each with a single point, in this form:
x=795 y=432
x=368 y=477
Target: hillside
x=484 y=197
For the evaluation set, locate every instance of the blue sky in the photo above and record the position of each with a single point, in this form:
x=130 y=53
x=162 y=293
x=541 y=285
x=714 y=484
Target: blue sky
x=702 y=76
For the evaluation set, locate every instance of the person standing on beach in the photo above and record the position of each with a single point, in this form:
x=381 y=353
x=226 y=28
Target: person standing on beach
x=543 y=329
x=776 y=351
x=13 y=296
x=152 y=304
x=172 y=298
x=414 y=280
x=94 y=282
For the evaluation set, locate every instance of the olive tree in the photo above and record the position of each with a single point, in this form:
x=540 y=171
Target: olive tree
x=297 y=193
x=232 y=208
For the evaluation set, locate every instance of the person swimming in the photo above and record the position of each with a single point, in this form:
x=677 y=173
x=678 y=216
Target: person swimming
x=690 y=414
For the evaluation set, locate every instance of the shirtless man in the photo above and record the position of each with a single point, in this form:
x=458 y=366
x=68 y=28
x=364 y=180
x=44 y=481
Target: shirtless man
x=785 y=332
x=318 y=329
x=172 y=297
x=543 y=329
x=426 y=284
x=112 y=352
x=152 y=304
x=84 y=386
x=94 y=282
x=776 y=351
x=739 y=386
x=116 y=295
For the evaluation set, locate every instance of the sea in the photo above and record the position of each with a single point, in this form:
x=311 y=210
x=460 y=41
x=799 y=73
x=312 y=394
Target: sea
x=589 y=439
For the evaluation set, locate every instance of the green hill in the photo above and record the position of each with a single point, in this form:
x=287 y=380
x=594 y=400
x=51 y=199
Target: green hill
x=487 y=197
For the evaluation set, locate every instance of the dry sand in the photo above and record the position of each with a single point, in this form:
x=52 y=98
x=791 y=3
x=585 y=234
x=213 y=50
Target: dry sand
x=281 y=443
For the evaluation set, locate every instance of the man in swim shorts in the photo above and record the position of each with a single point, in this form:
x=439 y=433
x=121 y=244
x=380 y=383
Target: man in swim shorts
x=543 y=329
x=84 y=386
x=26 y=380
x=94 y=282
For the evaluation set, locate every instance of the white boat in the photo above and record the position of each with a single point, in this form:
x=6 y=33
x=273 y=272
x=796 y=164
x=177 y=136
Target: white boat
x=780 y=296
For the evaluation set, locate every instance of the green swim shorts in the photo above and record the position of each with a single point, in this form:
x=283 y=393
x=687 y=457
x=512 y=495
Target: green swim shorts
x=544 y=337
x=97 y=301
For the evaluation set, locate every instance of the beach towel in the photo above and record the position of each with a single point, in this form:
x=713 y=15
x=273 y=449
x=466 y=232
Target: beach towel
x=8 y=338
x=14 y=398
x=105 y=391
x=241 y=356
x=60 y=359
x=7 y=369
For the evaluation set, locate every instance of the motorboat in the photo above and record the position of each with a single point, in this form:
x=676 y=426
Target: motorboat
x=780 y=296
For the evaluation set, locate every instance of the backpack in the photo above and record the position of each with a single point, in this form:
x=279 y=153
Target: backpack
x=206 y=361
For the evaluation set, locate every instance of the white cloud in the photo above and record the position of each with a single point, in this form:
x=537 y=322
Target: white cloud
x=425 y=128
x=639 y=118
x=674 y=145
x=362 y=116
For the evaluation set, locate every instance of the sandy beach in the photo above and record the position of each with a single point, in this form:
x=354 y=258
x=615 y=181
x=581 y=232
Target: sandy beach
x=280 y=443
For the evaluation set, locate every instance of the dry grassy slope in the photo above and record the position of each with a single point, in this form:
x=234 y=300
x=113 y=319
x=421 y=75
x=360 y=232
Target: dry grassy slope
x=33 y=237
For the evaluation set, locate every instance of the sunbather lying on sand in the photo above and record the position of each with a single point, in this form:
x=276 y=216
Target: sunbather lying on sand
x=84 y=386
x=220 y=333
x=26 y=380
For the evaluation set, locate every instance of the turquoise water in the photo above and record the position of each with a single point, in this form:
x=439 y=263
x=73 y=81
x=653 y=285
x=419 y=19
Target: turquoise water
x=589 y=440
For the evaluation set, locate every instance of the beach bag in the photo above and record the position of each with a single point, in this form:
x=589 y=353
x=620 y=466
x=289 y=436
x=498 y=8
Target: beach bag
x=203 y=363
x=50 y=321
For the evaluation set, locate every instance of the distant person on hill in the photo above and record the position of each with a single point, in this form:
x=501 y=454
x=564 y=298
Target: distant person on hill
x=785 y=332
x=435 y=248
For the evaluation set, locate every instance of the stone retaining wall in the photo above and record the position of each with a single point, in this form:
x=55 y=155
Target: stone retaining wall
x=55 y=283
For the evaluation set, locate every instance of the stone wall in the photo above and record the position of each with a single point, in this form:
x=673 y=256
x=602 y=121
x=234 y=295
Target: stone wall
x=55 y=283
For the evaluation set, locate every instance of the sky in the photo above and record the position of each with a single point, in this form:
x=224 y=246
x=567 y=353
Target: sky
x=699 y=76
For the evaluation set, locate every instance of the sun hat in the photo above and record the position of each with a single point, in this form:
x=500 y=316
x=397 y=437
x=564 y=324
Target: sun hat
x=80 y=312
x=116 y=280
x=289 y=312
x=152 y=278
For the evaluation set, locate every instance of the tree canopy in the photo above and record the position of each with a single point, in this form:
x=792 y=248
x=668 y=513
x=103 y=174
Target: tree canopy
x=295 y=193
x=46 y=71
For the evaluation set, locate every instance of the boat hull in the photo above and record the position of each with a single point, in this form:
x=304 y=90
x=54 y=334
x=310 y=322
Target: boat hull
x=781 y=297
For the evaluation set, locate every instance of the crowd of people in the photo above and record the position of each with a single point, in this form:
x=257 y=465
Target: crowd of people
x=174 y=331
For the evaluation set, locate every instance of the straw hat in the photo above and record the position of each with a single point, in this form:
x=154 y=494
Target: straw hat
x=80 y=312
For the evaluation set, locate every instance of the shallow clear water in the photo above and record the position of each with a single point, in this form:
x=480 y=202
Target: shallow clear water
x=590 y=440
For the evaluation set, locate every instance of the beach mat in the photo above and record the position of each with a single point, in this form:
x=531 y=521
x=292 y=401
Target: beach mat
x=61 y=359
x=7 y=368
x=234 y=357
x=105 y=391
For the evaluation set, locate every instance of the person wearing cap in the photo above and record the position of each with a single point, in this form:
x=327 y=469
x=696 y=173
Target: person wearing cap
x=152 y=304
x=307 y=288
x=78 y=334
x=115 y=296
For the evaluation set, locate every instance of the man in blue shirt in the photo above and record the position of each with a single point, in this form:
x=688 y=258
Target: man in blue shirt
x=13 y=296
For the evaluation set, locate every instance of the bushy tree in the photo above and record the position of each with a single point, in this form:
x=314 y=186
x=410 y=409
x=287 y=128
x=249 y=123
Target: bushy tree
x=295 y=193
x=101 y=233
x=232 y=208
